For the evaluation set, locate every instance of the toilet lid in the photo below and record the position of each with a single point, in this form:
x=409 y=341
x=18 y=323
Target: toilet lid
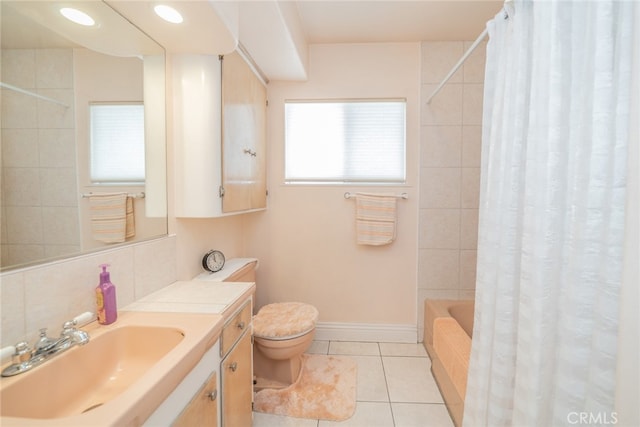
x=284 y=319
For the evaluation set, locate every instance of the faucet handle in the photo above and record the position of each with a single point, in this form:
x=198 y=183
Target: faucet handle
x=68 y=328
x=44 y=342
x=23 y=352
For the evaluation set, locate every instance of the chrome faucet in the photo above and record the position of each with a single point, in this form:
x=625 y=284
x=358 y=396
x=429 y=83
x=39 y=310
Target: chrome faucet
x=25 y=358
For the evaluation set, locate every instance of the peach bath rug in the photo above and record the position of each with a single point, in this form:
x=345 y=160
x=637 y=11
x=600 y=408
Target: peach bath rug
x=325 y=390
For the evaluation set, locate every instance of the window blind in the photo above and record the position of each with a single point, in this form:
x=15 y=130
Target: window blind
x=117 y=143
x=345 y=141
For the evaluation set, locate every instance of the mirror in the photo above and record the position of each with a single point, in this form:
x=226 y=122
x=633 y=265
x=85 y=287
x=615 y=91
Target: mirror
x=52 y=70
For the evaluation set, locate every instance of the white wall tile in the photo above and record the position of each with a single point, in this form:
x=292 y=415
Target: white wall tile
x=56 y=250
x=439 y=228
x=472 y=104
x=19 y=111
x=471 y=146
x=54 y=68
x=24 y=224
x=155 y=265
x=58 y=186
x=441 y=146
x=468 y=228
x=12 y=308
x=20 y=148
x=438 y=269
x=23 y=253
x=438 y=58
x=58 y=291
x=55 y=116
x=60 y=225
x=19 y=68
x=445 y=108
x=57 y=148
x=467 y=294
x=470 y=188
x=473 y=67
x=468 y=269
x=21 y=187
x=451 y=146
x=440 y=188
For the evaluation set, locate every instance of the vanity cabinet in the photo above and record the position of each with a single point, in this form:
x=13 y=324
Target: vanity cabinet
x=203 y=408
x=219 y=113
x=236 y=369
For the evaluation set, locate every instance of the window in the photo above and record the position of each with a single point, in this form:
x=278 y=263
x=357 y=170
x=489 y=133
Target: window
x=117 y=143
x=345 y=141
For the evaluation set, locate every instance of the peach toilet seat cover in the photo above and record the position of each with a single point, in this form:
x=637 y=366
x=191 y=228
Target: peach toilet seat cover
x=283 y=320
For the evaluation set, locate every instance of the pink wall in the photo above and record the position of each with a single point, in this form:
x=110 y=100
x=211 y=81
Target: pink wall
x=306 y=238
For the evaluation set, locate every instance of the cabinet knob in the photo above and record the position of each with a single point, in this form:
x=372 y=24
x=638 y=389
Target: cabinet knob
x=240 y=325
x=212 y=395
x=233 y=366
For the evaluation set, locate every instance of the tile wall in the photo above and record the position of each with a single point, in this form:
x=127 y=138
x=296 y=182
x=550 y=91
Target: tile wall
x=39 y=206
x=449 y=173
x=48 y=295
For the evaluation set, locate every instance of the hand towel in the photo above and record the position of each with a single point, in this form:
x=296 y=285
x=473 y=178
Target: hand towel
x=130 y=222
x=375 y=219
x=109 y=212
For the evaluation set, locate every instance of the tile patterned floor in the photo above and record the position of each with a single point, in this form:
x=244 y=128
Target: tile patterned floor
x=395 y=388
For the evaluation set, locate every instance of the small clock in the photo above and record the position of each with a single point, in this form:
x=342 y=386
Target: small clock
x=213 y=261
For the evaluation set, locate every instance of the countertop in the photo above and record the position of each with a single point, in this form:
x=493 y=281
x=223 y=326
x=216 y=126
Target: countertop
x=208 y=301
x=194 y=296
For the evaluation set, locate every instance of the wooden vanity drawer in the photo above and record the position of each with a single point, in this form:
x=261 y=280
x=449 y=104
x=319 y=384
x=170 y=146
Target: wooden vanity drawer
x=235 y=327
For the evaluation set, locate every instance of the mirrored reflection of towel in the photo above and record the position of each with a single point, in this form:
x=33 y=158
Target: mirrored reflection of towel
x=111 y=217
x=130 y=220
x=375 y=219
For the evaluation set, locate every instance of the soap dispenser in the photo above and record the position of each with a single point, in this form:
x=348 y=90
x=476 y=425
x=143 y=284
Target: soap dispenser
x=106 y=298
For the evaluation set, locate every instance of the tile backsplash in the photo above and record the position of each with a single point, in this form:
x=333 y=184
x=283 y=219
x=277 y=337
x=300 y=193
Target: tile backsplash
x=47 y=295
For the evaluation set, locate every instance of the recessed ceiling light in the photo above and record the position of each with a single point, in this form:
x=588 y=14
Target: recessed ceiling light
x=77 y=16
x=168 y=14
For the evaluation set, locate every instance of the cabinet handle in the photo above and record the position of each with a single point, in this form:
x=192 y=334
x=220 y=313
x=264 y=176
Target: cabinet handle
x=250 y=152
x=241 y=325
x=233 y=366
x=212 y=395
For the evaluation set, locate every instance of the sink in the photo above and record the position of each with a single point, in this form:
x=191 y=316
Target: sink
x=119 y=378
x=86 y=377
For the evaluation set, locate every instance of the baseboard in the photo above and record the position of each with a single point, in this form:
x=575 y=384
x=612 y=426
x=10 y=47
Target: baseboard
x=366 y=332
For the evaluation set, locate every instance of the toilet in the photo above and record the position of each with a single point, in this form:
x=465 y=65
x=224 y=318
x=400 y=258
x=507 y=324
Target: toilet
x=282 y=332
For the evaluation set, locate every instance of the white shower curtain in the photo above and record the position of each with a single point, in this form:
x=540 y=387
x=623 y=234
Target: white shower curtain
x=552 y=206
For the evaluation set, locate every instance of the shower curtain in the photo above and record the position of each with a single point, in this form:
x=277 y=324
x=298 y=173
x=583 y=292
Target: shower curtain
x=552 y=214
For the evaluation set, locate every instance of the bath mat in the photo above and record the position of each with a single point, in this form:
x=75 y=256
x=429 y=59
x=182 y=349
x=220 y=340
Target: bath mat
x=325 y=390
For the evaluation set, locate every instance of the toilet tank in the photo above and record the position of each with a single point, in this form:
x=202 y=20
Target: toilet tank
x=245 y=274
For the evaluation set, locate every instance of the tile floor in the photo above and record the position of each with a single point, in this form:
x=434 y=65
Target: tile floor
x=395 y=388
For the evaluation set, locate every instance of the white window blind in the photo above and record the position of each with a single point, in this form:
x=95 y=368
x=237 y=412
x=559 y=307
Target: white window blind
x=117 y=143
x=345 y=141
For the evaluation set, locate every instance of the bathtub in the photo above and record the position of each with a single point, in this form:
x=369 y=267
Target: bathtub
x=448 y=328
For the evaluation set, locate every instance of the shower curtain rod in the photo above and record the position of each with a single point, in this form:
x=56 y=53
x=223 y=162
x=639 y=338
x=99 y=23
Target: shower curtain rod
x=460 y=62
x=28 y=92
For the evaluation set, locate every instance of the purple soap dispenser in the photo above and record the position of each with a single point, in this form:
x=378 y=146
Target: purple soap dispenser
x=106 y=298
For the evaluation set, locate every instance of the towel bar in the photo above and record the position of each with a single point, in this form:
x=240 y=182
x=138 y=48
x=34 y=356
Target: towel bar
x=405 y=196
x=140 y=195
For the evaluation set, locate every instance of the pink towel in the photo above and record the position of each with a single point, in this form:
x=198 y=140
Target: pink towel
x=375 y=219
x=111 y=217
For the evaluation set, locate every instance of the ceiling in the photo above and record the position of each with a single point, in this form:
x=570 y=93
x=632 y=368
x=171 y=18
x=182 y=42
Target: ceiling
x=275 y=33
x=362 y=21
